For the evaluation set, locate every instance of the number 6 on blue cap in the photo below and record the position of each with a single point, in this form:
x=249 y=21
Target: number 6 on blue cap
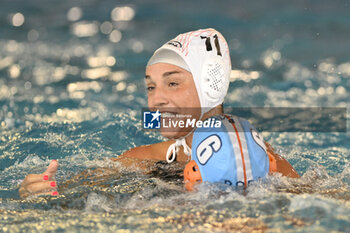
x=207 y=148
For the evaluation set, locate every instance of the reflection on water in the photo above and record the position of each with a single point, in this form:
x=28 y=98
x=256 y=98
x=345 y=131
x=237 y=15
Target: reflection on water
x=71 y=88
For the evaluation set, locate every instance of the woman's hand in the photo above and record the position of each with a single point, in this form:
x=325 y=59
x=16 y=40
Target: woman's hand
x=280 y=164
x=40 y=184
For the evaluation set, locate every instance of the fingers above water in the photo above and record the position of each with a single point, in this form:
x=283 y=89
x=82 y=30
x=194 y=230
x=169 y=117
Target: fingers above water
x=39 y=183
x=51 y=169
x=49 y=174
x=38 y=188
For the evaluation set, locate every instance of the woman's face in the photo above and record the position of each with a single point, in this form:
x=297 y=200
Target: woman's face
x=171 y=89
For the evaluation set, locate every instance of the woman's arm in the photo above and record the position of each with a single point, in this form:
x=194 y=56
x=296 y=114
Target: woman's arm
x=141 y=158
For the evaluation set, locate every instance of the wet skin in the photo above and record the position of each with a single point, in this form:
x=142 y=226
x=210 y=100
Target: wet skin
x=172 y=89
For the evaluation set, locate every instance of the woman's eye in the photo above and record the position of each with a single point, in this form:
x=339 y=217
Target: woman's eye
x=173 y=84
x=150 y=88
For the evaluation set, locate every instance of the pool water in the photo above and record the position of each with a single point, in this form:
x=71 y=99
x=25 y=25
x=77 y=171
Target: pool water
x=71 y=89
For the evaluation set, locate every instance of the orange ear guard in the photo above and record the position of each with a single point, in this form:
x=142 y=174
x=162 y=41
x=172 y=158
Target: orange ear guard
x=192 y=175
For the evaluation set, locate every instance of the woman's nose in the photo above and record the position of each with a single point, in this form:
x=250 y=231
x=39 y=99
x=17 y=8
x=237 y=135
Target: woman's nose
x=159 y=98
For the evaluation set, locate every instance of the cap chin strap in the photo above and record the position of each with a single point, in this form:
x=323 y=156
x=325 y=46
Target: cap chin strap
x=174 y=148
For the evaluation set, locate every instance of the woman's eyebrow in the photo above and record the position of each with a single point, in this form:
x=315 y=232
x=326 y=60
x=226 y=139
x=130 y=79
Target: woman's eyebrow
x=166 y=74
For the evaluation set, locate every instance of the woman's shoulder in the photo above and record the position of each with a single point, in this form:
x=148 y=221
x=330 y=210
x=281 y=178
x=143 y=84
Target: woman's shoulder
x=153 y=151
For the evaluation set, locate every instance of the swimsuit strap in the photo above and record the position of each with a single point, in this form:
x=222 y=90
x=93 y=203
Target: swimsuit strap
x=174 y=148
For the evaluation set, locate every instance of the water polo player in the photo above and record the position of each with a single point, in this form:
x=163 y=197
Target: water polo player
x=190 y=75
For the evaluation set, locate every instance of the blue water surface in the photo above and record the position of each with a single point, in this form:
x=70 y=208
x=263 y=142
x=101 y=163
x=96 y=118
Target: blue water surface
x=72 y=89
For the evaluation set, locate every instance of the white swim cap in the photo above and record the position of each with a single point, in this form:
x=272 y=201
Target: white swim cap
x=206 y=55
